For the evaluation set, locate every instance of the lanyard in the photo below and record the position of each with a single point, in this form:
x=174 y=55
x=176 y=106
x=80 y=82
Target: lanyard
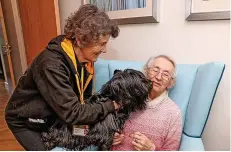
x=67 y=47
x=80 y=83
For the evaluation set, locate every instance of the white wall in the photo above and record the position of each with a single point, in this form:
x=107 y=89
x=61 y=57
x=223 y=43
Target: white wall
x=187 y=42
x=66 y=7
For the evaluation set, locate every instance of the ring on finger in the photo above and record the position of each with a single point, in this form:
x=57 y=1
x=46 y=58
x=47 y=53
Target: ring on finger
x=136 y=141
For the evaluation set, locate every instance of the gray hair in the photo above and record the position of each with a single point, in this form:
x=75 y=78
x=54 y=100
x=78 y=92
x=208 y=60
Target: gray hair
x=150 y=61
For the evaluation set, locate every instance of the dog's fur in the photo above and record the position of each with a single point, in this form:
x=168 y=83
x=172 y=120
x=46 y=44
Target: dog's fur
x=128 y=88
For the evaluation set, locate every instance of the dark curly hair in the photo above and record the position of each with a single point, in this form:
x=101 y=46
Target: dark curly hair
x=89 y=23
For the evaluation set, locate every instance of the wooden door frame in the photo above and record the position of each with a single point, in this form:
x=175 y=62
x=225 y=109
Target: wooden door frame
x=19 y=33
x=7 y=54
x=56 y=3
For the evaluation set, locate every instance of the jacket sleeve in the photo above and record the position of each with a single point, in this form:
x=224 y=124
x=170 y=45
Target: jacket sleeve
x=54 y=85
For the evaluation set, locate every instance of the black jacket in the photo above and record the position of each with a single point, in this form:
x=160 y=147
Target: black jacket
x=48 y=90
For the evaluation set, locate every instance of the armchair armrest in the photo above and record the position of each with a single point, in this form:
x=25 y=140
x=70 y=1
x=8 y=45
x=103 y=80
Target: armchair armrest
x=191 y=144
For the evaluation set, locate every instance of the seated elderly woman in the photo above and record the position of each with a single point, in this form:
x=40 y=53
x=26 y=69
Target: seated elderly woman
x=159 y=126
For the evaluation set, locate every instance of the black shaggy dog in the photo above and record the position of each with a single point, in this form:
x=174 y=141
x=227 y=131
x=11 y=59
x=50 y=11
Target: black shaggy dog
x=129 y=88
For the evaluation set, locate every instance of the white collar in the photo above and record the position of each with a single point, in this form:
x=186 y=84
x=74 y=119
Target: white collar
x=157 y=100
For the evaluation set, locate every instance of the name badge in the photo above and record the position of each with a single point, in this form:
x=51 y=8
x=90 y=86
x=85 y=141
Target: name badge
x=80 y=130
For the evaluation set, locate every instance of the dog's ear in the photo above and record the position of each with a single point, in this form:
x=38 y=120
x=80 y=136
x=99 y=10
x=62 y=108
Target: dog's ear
x=117 y=71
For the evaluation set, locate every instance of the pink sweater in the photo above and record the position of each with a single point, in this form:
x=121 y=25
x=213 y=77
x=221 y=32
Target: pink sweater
x=161 y=122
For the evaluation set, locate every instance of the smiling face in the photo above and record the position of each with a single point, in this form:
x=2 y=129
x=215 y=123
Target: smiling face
x=92 y=52
x=161 y=74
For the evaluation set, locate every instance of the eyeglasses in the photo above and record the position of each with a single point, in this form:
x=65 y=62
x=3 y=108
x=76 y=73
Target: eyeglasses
x=155 y=71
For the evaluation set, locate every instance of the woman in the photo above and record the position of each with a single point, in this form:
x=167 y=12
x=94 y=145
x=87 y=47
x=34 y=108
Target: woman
x=159 y=127
x=60 y=78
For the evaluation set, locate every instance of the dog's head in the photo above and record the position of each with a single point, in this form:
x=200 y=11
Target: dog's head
x=129 y=88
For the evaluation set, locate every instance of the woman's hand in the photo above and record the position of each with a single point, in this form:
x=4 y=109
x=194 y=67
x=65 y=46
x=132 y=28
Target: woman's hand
x=118 y=139
x=141 y=143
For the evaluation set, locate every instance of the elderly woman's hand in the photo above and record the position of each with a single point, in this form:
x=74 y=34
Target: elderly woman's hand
x=141 y=143
x=118 y=139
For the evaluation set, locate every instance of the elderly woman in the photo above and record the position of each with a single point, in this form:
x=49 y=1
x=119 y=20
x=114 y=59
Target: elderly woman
x=159 y=127
x=59 y=80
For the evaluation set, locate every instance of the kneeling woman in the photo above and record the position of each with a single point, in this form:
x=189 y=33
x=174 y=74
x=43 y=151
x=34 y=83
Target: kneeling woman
x=59 y=80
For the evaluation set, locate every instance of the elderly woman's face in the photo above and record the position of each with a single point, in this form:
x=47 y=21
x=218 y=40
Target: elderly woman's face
x=160 y=73
x=92 y=52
